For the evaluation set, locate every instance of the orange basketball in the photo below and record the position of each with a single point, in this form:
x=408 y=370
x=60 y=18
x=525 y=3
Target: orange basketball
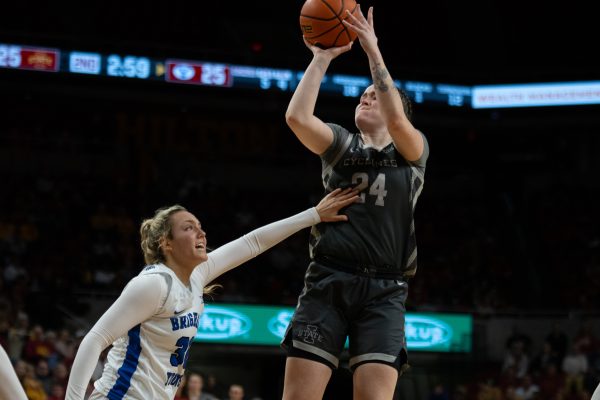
x=321 y=22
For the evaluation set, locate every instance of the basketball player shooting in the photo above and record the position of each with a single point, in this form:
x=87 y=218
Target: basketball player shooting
x=357 y=282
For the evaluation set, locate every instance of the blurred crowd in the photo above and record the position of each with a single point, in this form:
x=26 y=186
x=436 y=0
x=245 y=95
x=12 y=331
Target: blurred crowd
x=41 y=358
x=559 y=368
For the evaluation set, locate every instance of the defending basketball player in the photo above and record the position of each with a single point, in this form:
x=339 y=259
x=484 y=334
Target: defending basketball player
x=155 y=319
x=356 y=284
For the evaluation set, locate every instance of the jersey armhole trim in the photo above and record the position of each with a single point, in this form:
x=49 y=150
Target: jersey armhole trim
x=327 y=170
x=169 y=281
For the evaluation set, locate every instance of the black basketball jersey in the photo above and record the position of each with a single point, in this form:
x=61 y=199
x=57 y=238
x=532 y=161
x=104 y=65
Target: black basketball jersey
x=379 y=233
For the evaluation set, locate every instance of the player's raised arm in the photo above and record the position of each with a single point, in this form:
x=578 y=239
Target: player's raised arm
x=406 y=138
x=310 y=130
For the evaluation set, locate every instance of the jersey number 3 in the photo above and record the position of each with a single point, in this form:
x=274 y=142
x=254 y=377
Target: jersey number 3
x=361 y=179
x=181 y=355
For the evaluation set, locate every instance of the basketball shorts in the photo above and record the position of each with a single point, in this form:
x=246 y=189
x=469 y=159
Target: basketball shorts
x=336 y=304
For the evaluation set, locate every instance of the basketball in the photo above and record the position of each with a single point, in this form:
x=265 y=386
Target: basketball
x=321 y=22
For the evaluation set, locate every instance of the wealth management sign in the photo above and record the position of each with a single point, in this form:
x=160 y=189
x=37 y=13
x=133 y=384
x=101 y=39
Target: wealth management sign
x=263 y=325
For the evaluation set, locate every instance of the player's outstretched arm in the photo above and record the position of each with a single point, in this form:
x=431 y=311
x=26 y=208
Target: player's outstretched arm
x=310 y=130
x=252 y=244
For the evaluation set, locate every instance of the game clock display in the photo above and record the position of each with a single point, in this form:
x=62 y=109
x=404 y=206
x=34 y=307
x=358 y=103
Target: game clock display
x=128 y=66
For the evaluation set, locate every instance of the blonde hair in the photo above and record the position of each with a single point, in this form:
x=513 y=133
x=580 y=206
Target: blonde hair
x=153 y=230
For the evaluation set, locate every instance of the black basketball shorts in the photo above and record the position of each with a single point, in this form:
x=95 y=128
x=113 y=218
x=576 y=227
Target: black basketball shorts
x=335 y=304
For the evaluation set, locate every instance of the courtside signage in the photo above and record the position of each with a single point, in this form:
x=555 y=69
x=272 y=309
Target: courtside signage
x=266 y=326
x=279 y=323
x=223 y=323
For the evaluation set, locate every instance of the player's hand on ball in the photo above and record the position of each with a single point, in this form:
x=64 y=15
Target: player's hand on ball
x=331 y=52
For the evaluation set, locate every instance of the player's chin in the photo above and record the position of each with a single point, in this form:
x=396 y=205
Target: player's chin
x=360 y=120
x=201 y=256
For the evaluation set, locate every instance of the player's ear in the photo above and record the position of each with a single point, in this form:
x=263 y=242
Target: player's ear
x=164 y=244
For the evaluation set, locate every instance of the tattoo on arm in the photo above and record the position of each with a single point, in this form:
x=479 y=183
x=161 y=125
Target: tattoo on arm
x=379 y=78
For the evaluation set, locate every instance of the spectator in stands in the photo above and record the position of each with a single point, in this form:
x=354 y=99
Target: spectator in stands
x=17 y=336
x=21 y=370
x=527 y=390
x=33 y=387
x=42 y=373
x=57 y=392
x=37 y=347
x=65 y=346
x=236 y=392
x=60 y=375
x=575 y=366
x=214 y=386
x=193 y=389
x=545 y=357
x=50 y=342
x=517 y=359
x=517 y=335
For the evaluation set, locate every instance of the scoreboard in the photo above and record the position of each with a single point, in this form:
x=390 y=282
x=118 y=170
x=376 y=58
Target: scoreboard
x=207 y=73
x=210 y=73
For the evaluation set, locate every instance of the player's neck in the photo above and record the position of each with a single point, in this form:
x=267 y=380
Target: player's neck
x=376 y=139
x=182 y=272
